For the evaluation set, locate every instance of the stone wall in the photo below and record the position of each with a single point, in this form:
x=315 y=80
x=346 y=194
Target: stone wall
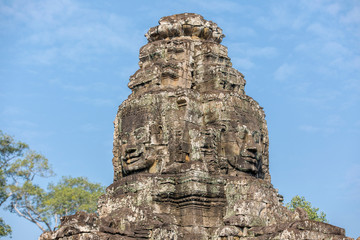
x=191 y=151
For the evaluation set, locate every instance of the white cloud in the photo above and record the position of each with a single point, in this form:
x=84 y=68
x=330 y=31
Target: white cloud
x=302 y=47
x=75 y=88
x=352 y=84
x=262 y=52
x=357 y=124
x=24 y=124
x=218 y=6
x=253 y=51
x=40 y=13
x=323 y=31
x=89 y=127
x=237 y=30
x=245 y=31
x=333 y=9
x=284 y=72
x=28 y=133
x=11 y=111
x=282 y=16
x=242 y=63
x=334 y=120
x=346 y=63
x=54 y=31
x=340 y=57
x=351 y=183
x=46 y=56
x=322 y=97
x=322 y=6
x=332 y=59
x=86 y=87
x=335 y=49
x=267 y=52
x=309 y=128
x=95 y=101
x=352 y=16
x=313 y=5
x=317 y=129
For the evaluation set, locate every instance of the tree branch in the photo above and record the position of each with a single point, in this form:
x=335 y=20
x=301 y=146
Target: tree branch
x=56 y=220
x=29 y=217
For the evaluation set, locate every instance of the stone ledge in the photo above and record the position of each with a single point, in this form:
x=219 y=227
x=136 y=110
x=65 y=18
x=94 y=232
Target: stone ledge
x=185 y=25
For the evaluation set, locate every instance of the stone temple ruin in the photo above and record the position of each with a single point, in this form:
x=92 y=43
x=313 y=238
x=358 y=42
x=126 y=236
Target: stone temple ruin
x=190 y=151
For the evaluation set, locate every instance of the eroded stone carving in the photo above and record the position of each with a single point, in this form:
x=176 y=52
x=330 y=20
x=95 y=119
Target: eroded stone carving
x=190 y=151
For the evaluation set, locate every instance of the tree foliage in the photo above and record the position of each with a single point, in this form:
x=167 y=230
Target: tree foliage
x=21 y=195
x=5 y=229
x=27 y=202
x=313 y=213
x=73 y=194
x=10 y=152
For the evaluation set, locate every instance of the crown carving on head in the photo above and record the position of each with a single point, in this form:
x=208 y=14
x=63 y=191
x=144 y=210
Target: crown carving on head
x=185 y=25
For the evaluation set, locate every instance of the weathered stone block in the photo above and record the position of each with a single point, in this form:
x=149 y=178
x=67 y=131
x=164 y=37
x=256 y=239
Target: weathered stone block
x=191 y=151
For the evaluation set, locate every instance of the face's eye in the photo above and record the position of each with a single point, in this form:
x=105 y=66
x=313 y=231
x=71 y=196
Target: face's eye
x=123 y=141
x=256 y=136
x=140 y=134
x=242 y=134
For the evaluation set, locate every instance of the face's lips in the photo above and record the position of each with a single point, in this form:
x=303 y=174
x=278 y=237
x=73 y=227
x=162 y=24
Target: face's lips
x=132 y=160
x=250 y=156
x=250 y=159
x=133 y=157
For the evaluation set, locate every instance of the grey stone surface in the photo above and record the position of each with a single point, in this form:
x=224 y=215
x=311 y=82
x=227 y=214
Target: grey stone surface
x=191 y=156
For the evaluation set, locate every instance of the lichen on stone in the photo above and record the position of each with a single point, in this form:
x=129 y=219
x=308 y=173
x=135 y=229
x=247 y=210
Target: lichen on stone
x=190 y=151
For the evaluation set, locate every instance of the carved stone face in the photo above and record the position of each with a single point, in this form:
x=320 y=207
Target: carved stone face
x=138 y=139
x=135 y=155
x=241 y=135
x=243 y=148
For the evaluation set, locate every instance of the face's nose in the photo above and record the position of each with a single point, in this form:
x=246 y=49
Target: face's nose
x=250 y=146
x=130 y=149
x=252 y=149
x=130 y=152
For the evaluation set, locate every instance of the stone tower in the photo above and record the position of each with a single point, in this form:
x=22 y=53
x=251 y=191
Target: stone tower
x=190 y=151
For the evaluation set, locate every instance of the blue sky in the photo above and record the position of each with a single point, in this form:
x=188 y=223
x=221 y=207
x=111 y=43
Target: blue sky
x=65 y=65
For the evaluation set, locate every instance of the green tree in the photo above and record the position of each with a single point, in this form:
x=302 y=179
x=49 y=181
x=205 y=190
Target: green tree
x=312 y=212
x=27 y=202
x=21 y=195
x=4 y=229
x=71 y=195
x=44 y=208
x=17 y=164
